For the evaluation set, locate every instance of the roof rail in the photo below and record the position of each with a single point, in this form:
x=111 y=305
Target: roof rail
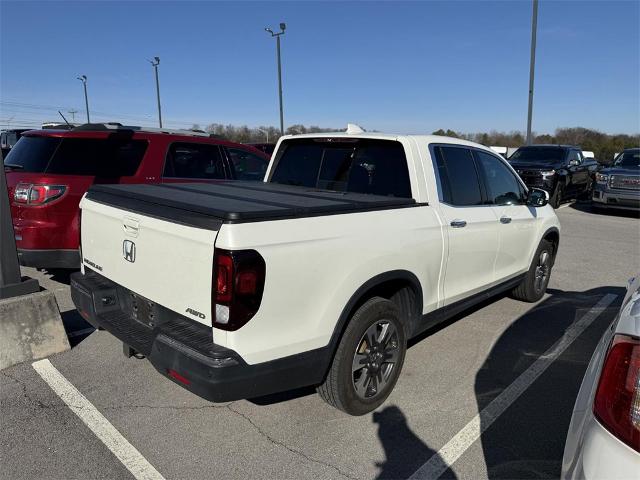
x=118 y=126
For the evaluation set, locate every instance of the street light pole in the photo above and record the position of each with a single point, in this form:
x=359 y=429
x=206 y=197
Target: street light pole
x=83 y=79
x=266 y=132
x=283 y=26
x=154 y=63
x=532 y=66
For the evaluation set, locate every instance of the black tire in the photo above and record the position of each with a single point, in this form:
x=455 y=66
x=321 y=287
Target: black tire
x=375 y=378
x=556 y=199
x=534 y=285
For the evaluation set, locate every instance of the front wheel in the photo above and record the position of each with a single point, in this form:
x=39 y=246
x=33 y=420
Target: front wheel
x=368 y=360
x=536 y=279
x=556 y=199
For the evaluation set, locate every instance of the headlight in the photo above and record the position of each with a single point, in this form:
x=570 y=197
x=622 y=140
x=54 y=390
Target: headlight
x=602 y=178
x=548 y=174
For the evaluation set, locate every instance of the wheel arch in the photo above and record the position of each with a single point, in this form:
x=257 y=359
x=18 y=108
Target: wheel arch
x=552 y=235
x=400 y=286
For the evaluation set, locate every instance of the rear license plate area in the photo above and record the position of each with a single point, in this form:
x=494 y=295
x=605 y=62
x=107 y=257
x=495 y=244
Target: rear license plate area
x=142 y=310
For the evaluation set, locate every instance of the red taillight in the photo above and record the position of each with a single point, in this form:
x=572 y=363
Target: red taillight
x=617 y=401
x=238 y=279
x=175 y=375
x=224 y=278
x=34 y=194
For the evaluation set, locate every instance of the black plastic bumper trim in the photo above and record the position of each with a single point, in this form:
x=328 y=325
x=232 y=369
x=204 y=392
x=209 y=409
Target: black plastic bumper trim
x=180 y=344
x=49 y=258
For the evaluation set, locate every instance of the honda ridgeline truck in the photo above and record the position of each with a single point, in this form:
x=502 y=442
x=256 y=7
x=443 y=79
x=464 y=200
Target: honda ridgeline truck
x=354 y=243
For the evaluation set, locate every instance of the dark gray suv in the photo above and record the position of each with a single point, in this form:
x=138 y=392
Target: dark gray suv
x=618 y=186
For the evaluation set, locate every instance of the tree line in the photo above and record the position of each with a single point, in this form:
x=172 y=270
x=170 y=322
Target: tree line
x=603 y=145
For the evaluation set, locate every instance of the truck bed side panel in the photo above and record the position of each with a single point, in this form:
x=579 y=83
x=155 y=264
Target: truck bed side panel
x=315 y=265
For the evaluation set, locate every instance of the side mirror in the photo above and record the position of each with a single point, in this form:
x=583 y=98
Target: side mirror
x=574 y=163
x=537 y=197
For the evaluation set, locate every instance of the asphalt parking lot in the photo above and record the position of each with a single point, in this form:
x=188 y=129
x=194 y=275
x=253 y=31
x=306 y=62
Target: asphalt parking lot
x=461 y=381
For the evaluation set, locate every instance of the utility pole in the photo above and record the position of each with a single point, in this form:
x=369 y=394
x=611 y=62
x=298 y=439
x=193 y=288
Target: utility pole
x=532 y=66
x=11 y=282
x=73 y=115
x=83 y=79
x=154 y=63
x=266 y=132
x=283 y=26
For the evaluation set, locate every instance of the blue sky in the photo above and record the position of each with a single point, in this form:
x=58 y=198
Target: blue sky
x=392 y=66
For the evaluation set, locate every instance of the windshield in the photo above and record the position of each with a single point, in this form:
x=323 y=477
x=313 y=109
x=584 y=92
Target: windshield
x=630 y=158
x=377 y=167
x=538 y=155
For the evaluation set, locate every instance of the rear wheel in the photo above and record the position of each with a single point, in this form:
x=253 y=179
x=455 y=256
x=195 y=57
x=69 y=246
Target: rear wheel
x=536 y=279
x=368 y=360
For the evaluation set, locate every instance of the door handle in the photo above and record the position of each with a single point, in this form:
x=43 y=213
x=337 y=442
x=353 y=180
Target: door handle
x=505 y=219
x=458 y=223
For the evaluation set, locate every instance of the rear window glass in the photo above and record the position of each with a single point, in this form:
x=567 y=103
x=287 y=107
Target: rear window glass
x=377 y=167
x=32 y=154
x=106 y=158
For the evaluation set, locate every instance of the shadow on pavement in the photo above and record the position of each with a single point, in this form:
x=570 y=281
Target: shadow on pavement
x=76 y=327
x=588 y=207
x=283 y=396
x=404 y=451
x=527 y=440
x=60 y=275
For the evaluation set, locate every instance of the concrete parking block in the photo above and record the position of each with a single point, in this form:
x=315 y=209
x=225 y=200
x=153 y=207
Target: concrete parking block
x=30 y=328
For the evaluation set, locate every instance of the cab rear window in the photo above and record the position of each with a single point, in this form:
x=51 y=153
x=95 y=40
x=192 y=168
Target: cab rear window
x=377 y=167
x=107 y=158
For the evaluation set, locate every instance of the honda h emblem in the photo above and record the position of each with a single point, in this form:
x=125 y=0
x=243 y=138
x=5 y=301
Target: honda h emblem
x=129 y=251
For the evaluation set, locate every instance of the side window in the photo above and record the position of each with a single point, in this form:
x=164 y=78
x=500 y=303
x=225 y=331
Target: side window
x=110 y=158
x=502 y=186
x=459 y=182
x=247 y=165
x=573 y=155
x=194 y=160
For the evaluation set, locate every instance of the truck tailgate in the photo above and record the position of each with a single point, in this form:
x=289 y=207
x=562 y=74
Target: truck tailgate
x=165 y=262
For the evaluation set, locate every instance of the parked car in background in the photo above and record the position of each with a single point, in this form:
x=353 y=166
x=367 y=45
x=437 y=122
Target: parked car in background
x=618 y=186
x=561 y=170
x=317 y=276
x=48 y=172
x=604 y=434
x=9 y=137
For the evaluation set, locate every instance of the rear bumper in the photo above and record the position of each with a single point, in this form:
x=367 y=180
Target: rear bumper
x=49 y=258
x=598 y=454
x=173 y=343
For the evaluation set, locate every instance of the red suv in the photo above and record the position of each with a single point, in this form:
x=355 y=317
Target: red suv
x=48 y=172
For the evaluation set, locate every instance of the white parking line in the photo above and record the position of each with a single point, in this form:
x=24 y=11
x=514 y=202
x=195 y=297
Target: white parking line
x=565 y=205
x=442 y=461
x=130 y=457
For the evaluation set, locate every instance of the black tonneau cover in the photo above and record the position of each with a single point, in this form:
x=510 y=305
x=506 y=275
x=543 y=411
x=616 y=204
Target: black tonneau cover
x=208 y=205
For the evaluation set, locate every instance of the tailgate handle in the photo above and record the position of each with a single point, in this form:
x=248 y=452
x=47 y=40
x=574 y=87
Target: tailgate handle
x=131 y=226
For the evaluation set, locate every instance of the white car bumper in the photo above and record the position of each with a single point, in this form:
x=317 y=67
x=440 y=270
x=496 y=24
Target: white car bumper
x=594 y=453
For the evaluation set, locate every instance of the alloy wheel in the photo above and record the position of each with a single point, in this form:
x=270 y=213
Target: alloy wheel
x=375 y=358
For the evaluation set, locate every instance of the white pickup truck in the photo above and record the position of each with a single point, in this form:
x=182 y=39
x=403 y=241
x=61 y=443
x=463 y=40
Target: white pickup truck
x=354 y=243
